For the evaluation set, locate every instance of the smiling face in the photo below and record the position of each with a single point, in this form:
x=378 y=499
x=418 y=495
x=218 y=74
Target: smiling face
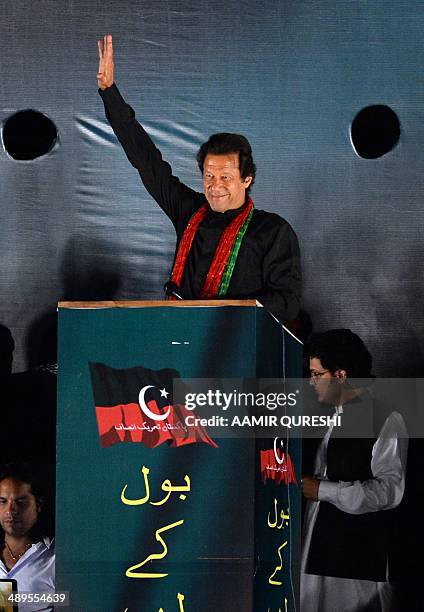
x=19 y=508
x=223 y=185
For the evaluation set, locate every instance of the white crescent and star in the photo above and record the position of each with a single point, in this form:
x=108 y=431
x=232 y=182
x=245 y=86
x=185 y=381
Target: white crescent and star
x=152 y=415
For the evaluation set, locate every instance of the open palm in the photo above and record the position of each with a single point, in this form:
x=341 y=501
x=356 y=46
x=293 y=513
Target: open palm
x=105 y=76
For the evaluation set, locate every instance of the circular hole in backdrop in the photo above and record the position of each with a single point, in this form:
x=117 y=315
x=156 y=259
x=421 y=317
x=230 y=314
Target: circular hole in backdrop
x=375 y=131
x=28 y=134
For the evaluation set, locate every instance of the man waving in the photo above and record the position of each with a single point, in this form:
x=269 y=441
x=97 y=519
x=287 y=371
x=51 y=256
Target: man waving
x=226 y=248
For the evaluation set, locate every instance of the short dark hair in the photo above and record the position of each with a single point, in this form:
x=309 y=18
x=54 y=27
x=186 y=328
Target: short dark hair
x=224 y=143
x=340 y=349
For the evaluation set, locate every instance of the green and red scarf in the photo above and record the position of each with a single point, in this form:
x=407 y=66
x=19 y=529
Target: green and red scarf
x=224 y=260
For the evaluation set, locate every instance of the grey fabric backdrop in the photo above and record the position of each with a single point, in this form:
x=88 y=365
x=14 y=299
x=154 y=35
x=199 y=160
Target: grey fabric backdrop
x=291 y=75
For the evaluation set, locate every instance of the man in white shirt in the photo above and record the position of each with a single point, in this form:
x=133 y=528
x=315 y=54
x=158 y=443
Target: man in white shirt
x=27 y=555
x=359 y=477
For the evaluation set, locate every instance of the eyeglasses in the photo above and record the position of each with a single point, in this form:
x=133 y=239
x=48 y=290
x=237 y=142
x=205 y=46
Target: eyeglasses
x=315 y=374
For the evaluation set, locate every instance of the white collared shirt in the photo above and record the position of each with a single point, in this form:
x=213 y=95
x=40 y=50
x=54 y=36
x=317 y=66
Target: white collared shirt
x=34 y=572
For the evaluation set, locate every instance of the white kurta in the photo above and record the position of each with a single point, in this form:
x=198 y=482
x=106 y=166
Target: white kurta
x=382 y=492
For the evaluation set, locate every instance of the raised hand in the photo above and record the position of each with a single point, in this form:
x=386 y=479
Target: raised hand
x=105 y=74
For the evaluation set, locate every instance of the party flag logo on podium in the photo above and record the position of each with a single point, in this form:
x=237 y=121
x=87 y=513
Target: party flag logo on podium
x=135 y=405
x=277 y=466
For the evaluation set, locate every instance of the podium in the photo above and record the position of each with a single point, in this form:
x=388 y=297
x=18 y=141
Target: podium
x=153 y=514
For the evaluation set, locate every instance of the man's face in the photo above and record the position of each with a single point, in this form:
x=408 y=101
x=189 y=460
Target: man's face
x=325 y=383
x=19 y=508
x=222 y=183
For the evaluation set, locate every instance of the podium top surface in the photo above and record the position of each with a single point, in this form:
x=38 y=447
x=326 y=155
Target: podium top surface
x=166 y=303
x=158 y=303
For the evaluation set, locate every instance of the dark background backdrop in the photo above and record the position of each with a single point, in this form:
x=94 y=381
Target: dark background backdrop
x=291 y=76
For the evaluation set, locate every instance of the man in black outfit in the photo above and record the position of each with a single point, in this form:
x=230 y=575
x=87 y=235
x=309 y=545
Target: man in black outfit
x=226 y=248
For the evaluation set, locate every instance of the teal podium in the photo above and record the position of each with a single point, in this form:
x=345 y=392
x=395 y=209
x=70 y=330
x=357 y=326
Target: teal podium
x=156 y=510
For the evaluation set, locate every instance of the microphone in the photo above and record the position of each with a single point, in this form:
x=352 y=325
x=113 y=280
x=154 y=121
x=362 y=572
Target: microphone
x=172 y=288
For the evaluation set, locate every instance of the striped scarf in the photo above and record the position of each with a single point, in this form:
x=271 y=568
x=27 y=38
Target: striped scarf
x=222 y=266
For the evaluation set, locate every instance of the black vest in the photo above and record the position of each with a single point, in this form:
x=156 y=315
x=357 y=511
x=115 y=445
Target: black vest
x=351 y=545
